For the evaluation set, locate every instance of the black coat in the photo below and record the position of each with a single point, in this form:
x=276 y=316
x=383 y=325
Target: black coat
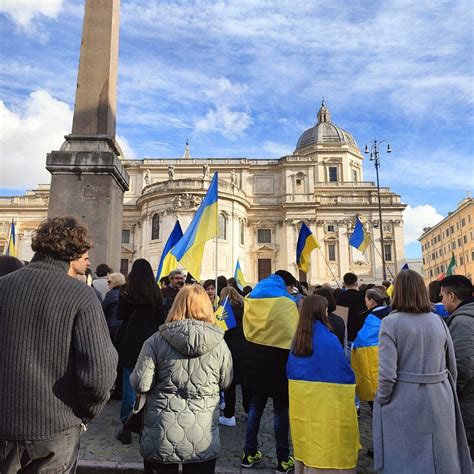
x=110 y=306
x=338 y=326
x=139 y=323
x=355 y=301
x=236 y=341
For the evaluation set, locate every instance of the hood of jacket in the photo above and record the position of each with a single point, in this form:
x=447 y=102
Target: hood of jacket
x=190 y=337
x=381 y=311
x=466 y=308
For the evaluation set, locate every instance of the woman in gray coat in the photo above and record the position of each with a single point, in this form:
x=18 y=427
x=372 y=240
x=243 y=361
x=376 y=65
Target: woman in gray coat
x=182 y=368
x=417 y=422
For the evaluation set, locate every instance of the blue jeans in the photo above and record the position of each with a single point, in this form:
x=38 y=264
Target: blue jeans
x=128 y=395
x=281 y=425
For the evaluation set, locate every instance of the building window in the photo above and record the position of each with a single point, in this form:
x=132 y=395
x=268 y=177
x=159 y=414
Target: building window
x=461 y=260
x=452 y=229
x=331 y=228
x=472 y=254
x=447 y=232
x=124 y=266
x=469 y=218
x=264 y=236
x=459 y=242
x=355 y=176
x=332 y=174
x=464 y=238
x=125 y=236
x=242 y=233
x=388 y=252
x=222 y=226
x=431 y=273
x=463 y=222
x=155 y=227
x=332 y=252
x=454 y=245
x=386 y=227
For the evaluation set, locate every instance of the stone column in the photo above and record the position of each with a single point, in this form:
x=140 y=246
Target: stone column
x=88 y=179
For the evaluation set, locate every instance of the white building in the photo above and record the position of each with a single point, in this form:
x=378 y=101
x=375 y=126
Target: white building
x=262 y=203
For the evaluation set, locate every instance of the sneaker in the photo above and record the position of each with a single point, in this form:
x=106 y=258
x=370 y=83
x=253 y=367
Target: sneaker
x=125 y=436
x=286 y=466
x=227 y=421
x=248 y=460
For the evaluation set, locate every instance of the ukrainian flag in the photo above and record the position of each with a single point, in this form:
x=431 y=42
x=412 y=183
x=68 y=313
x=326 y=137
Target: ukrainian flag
x=239 y=276
x=306 y=244
x=10 y=248
x=188 y=251
x=323 y=416
x=359 y=238
x=225 y=315
x=168 y=261
x=270 y=314
x=365 y=358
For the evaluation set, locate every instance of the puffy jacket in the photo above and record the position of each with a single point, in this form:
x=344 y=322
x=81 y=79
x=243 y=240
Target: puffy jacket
x=182 y=368
x=461 y=327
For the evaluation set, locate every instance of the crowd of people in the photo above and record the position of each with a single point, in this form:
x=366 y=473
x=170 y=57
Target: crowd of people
x=69 y=342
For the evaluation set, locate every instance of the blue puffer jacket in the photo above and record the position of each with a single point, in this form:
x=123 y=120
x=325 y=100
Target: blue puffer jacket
x=109 y=305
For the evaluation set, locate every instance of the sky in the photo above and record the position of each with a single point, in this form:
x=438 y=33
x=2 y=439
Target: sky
x=245 y=78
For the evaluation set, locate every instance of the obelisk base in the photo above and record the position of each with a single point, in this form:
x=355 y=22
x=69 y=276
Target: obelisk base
x=89 y=185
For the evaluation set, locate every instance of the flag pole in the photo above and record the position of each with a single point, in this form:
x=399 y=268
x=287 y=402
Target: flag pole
x=217 y=239
x=380 y=255
x=330 y=269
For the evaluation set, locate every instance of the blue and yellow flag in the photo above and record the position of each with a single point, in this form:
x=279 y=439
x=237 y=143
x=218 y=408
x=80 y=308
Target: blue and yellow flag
x=239 y=276
x=323 y=416
x=270 y=314
x=189 y=250
x=225 y=315
x=306 y=244
x=168 y=261
x=359 y=238
x=10 y=248
x=365 y=358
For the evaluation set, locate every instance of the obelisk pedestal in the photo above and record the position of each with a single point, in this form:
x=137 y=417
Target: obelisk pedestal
x=88 y=179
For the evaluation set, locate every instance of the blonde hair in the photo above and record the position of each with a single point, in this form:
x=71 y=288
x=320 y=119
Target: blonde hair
x=192 y=302
x=116 y=279
x=233 y=295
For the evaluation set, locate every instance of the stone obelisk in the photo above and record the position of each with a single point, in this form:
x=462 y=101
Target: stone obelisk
x=88 y=179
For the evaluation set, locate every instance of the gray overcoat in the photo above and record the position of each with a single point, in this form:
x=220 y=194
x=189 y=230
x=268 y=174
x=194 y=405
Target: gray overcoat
x=182 y=368
x=417 y=422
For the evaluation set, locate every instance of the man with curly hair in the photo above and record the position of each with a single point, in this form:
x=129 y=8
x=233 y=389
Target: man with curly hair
x=57 y=363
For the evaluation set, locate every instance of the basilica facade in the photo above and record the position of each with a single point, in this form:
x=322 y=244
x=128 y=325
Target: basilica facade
x=262 y=203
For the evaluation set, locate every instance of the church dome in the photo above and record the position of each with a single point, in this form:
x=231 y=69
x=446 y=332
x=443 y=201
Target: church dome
x=325 y=132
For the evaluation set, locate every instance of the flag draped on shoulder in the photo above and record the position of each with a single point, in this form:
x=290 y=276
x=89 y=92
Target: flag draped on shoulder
x=189 y=250
x=239 y=276
x=323 y=416
x=365 y=358
x=225 y=315
x=359 y=238
x=306 y=244
x=168 y=261
x=270 y=314
x=10 y=248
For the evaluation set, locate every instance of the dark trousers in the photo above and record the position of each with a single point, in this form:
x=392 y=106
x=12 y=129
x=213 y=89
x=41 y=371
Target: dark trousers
x=229 y=397
x=281 y=425
x=206 y=467
x=57 y=454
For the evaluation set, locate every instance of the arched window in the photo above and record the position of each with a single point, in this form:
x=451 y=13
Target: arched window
x=242 y=232
x=155 y=227
x=222 y=226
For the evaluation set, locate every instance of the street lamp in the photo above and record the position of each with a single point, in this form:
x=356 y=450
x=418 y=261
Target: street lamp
x=374 y=156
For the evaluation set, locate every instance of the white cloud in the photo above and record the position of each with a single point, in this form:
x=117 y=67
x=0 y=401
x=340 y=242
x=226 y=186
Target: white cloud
x=221 y=119
x=128 y=152
x=27 y=135
x=276 y=149
x=416 y=219
x=26 y=13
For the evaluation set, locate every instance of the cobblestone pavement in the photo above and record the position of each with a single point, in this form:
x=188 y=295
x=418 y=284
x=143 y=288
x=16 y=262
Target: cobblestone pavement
x=99 y=446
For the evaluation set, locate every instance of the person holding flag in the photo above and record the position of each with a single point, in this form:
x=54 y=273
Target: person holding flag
x=306 y=244
x=323 y=417
x=229 y=316
x=270 y=320
x=190 y=248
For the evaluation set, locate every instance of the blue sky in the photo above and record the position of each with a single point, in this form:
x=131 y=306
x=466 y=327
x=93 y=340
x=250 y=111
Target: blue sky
x=245 y=78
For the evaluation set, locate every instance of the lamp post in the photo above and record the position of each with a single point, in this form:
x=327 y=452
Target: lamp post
x=375 y=157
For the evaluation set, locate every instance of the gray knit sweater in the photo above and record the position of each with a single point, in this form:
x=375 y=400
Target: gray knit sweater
x=57 y=363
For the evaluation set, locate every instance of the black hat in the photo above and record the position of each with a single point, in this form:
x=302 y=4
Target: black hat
x=287 y=277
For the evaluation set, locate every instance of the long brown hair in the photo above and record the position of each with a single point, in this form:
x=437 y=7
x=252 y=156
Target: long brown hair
x=410 y=294
x=313 y=308
x=233 y=295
